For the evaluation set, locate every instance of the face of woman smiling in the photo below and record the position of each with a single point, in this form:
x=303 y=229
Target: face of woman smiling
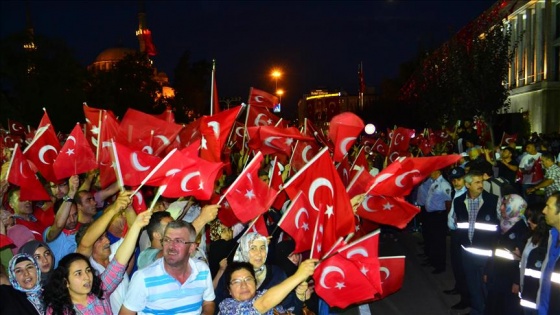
x=26 y=274
x=242 y=286
x=257 y=253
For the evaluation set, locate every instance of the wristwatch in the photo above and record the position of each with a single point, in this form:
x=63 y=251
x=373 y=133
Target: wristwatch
x=67 y=199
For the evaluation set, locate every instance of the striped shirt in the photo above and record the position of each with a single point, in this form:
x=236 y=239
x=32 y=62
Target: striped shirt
x=153 y=291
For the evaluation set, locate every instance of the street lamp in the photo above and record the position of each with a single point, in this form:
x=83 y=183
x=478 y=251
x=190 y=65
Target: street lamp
x=279 y=92
x=276 y=74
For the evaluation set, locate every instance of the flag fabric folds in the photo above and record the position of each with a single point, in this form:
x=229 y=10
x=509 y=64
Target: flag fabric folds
x=42 y=152
x=75 y=157
x=259 y=98
x=21 y=174
x=343 y=132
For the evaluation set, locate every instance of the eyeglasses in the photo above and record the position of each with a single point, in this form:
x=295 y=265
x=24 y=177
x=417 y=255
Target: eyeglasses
x=176 y=241
x=238 y=282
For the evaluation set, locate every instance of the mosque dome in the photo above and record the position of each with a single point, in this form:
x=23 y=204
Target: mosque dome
x=114 y=54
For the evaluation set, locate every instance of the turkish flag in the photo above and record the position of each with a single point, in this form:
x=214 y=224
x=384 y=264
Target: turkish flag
x=249 y=196
x=174 y=162
x=507 y=139
x=341 y=283
x=359 y=162
x=270 y=140
x=302 y=153
x=311 y=130
x=10 y=141
x=134 y=165
x=43 y=150
x=149 y=44
x=380 y=147
x=343 y=170
x=400 y=139
x=537 y=171
x=225 y=214
x=94 y=116
x=391 y=270
x=141 y=131
x=324 y=234
x=276 y=182
x=319 y=181
x=16 y=128
x=257 y=226
x=343 y=132
x=236 y=139
x=259 y=98
x=20 y=174
x=75 y=157
x=189 y=134
x=197 y=180
x=425 y=146
x=216 y=130
x=108 y=132
x=45 y=120
x=360 y=183
x=364 y=254
x=299 y=222
x=393 y=211
x=167 y=115
x=138 y=202
x=257 y=116
x=399 y=178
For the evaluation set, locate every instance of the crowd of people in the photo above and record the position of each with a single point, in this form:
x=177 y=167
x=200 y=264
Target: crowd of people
x=87 y=251
x=501 y=208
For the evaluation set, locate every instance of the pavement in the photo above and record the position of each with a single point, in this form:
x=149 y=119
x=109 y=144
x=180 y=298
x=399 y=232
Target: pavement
x=422 y=291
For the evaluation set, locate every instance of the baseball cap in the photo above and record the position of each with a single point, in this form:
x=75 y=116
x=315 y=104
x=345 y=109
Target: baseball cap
x=457 y=172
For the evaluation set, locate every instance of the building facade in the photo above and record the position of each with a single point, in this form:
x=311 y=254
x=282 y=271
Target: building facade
x=534 y=75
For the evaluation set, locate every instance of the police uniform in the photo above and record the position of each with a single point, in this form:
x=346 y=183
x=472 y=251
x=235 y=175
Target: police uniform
x=439 y=193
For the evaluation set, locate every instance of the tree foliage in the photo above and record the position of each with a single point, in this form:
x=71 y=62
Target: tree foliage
x=47 y=77
x=465 y=77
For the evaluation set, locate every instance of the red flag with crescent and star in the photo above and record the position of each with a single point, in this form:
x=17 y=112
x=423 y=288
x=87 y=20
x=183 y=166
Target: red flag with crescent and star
x=42 y=152
x=391 y=270
x=257 y=116
x=21 y=174
x=394 y=211
x=16 y=128
x=270 y=140
x=75 y=157
x=141 y=131
x=341 y=283
x=248 y=195
x=108 y=131
x=507 y=139
x=215 y=130
x=135 y=165
x=276 y=182
x=400 y=141
x=319 y=181
x=195 y=180
x=174 y=162
x=302 y=153
x=259 y=98
x=299 y=222
x=343 y=132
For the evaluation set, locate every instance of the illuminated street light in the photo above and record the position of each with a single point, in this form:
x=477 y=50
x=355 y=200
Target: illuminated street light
x=370 y=129
x=276 y=74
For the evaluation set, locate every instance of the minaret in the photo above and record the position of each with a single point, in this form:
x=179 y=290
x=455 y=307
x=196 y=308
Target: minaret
x=29 y=44
x=141 y=26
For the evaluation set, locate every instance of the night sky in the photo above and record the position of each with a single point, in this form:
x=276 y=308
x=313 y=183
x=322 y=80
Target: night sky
x=315 y=43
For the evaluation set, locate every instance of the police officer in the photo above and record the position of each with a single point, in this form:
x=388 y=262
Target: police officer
x=439 y=193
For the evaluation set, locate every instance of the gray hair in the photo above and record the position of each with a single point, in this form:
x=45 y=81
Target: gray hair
x=180 y=224
x=470 y=176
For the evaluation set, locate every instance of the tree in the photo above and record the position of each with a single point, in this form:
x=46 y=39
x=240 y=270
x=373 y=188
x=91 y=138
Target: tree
x=192 y=87
x=130 y=83
x=45 y=77
x=465 y=76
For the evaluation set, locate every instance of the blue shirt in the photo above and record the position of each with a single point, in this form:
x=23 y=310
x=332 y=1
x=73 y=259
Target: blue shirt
x=438 y=193
x=422 y=193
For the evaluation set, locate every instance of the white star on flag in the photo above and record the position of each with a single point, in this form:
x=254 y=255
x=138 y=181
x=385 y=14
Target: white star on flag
x=203 y=143
x=250 y=194
x=201 y=186
x=95 y=130
x=289 y=141
x=364 y=270
x=330 y=211
x=340 y=285
x=387 y=206
x=269 y=121
x=305 y=226
x=70 y=151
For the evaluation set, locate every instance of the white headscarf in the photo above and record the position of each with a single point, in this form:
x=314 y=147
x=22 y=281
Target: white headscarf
x=242 y=251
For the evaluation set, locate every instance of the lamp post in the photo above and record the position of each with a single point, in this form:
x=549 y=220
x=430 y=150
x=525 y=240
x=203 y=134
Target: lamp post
x=280 y=92
x=276 y=74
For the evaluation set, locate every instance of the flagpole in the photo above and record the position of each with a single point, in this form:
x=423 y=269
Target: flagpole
x=259 y=154
x=159 y=192
x=11 y=161
x=99 y=145
x=154 y=170
x=117 y=166
x=212 y=87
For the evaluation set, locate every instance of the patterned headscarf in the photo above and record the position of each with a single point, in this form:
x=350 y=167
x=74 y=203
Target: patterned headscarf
x=216 y=229
x=242 y=252
x=33 y=294
x=514 y=206
x=30 y=247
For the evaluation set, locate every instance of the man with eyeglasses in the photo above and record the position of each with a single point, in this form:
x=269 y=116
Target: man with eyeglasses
x=175 y=283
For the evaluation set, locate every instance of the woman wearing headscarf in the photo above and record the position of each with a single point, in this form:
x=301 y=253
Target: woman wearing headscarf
x=24 y=294
x=503 y=268
x=43 y=256
x=253 y=248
